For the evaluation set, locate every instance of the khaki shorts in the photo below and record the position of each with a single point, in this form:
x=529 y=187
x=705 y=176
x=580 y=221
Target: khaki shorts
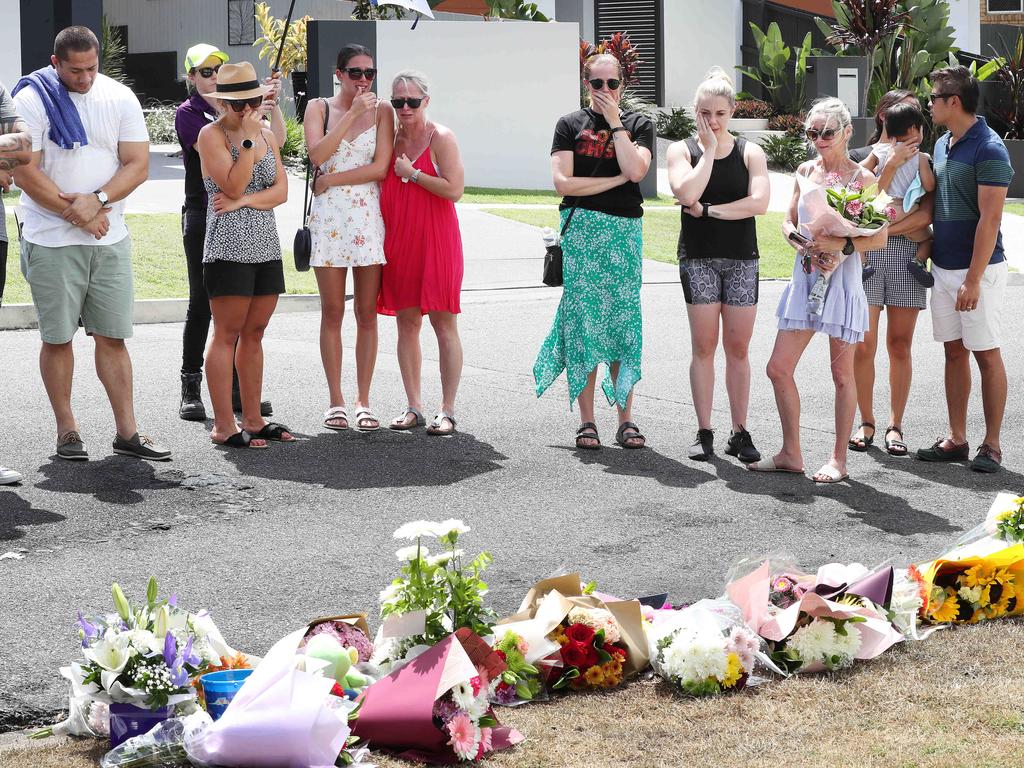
x=88 y=282
x=981 y=328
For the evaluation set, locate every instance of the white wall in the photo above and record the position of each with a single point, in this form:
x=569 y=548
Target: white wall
x=965 y=18
x=10 y=62
x=500 y=86
x=697 y=36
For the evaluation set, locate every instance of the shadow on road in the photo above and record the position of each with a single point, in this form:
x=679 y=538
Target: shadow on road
x=112 y=479
x=16 y=513
x=645 y=462
x=351 y=460
x=955 y=473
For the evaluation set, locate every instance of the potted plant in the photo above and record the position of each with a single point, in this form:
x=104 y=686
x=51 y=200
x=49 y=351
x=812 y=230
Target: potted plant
x=750 y=115
x=1009 y=111
x=293 y=56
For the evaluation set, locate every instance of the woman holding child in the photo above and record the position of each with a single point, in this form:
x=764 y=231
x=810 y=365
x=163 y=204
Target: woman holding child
x=895 y=284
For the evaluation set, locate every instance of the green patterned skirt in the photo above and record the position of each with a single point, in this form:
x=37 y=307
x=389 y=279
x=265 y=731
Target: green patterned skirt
x=598 y=319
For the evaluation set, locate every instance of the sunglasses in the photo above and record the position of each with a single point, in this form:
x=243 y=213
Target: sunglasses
x=358 y=73
x=413 y=103
x=933 y=97
x=597 y=84
x=827 y=134
x=208 y=72
x=240 y=104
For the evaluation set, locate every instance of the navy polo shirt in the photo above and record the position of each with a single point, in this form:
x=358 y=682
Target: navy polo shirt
x=979 y=158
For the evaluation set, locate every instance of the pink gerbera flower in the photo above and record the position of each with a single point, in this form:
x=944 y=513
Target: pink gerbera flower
x=485 y=743
x=464 y=737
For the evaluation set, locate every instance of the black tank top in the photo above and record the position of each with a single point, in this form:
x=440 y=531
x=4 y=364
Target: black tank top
x=707 y=238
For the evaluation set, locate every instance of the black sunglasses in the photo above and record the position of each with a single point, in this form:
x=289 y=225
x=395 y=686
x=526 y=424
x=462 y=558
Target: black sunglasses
x=827 y=134
x=413 y=103
x=597 y=84
x=357 y=73
x=208 y=72
x=239 y=104
x=933 y=97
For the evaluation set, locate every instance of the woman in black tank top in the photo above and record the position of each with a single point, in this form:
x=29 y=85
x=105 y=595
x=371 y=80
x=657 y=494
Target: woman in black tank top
x=722 y=183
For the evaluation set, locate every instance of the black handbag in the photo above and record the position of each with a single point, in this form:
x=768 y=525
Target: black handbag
x=553 y=259
x=302 y=248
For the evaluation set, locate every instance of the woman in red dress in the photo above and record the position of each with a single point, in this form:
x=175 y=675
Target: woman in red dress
x=423 y=247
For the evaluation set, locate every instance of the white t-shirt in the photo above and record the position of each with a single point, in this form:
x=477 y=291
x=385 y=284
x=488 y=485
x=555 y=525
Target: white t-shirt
x=111 y=113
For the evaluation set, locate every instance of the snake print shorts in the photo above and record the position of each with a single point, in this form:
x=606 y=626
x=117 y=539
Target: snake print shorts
x=720 y=281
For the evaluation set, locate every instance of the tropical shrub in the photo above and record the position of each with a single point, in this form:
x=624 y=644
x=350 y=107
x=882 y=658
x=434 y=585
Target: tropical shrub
x=160 y=123
x=293 y=56
x=784 y=153
x=793 y=125
x=676 y=124
x=752 y=109
x=784 y=83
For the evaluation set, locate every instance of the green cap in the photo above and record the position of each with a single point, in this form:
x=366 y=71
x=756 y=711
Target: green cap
x=199 y=53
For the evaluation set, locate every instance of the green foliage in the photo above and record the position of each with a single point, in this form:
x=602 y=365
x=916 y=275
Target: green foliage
x=295 y=140
x=364 y=10
x=632 y=102
x=752 y=109
x=784 y=152
x=515 y=9
x=783 y=82
x=793 y=125
x=112 y=52
x=160 y=123
x=676 y=124
x=293 y=54
x=1010 y=74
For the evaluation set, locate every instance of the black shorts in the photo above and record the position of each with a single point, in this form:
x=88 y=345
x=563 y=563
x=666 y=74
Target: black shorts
x=234 y=278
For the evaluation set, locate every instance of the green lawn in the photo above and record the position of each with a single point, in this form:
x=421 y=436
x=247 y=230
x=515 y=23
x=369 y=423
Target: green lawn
x=158 y=259
x=1017 y=208
x=661 y=233
x=486 y=195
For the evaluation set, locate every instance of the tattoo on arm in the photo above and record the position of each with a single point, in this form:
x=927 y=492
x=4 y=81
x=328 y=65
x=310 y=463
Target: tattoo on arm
x=15 y=143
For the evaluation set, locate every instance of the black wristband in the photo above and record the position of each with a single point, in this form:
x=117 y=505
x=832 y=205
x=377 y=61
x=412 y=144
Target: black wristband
x=617 y=128
x=705 y=207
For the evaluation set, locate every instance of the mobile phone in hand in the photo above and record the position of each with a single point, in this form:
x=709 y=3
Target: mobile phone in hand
x=798 y=238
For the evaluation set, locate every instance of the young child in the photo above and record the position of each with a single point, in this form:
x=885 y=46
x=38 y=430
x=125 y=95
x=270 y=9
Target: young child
x=904 y=123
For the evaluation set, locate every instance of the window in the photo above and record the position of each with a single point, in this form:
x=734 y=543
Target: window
x=642 y=19
x=1006 y=6
x=241 y=22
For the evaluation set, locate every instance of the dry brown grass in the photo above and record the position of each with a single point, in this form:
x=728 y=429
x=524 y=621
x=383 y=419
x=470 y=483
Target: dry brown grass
x=955 y=700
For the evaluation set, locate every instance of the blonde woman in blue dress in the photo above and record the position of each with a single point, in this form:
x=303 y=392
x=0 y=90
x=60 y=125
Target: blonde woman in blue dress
x=349 y=138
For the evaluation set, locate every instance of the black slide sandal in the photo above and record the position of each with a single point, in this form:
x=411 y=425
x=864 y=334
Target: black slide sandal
x=273 y=431
x=239 y=440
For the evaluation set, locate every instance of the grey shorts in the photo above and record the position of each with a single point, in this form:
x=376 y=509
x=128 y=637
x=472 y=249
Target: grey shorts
x=720 y=281
x=91 y=282
x=892 y=285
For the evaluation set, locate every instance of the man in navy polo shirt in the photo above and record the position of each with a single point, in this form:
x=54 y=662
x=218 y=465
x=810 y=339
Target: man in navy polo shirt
x=973 y=171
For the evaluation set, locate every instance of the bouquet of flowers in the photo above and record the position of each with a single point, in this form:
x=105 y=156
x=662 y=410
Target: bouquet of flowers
x=343 y=644
x=441 y=698
x=434 y=594
x=839 y=211
x=818 y=622
x=521 y=681
x=147 y=656
x=592 y=652
x=982 y=577
x=706 y=648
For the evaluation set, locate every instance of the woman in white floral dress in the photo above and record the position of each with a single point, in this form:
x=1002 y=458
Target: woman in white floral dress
x=349 y=138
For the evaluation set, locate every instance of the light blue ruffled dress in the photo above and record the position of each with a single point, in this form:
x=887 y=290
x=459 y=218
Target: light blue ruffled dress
x=845 y=311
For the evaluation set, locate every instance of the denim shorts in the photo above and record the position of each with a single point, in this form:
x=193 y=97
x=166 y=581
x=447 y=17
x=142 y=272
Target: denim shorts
x=720 y=281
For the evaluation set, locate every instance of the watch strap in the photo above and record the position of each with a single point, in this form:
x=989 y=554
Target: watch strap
x=705 y=207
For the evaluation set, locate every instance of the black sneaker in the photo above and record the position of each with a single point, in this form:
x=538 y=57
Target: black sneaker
x=920 y=273
x=703 y=447
x=192 y=408
x=141 y=447
x=266 y=409
x=742 y=447
x=866 y=272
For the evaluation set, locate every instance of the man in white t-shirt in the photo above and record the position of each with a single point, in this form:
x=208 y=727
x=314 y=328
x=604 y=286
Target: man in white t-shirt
x=90 y=150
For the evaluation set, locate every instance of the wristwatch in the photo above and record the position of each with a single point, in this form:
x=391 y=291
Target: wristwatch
x=102 y=197
x=616 y=129
x=706 y=207
x=414 y=177
x=247 y=144
x=848 y=248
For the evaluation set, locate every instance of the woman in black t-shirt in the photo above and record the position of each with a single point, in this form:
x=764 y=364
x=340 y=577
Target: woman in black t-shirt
x=598 y=157
x=722 y=183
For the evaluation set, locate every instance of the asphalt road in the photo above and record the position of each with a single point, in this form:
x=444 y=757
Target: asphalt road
x=270 y=539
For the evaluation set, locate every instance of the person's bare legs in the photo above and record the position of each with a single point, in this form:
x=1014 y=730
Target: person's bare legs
x=864 y=371
x=229 y=313
x=899 y=339
x=449 y=348
x=249 y=361
x=737 y=328
x=789 y=346
x=632 y=438
x=57 y=368
x=993 y=394
x=331 y=285
x=410 y=360
x=366 y=286
x=114 y=370
x=841 y=354
x=585 y=401
x=958 y=391
x=704 y=323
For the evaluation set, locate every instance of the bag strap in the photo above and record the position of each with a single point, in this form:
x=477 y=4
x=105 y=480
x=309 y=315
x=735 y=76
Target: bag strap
x=576 y=204
x=307 y=203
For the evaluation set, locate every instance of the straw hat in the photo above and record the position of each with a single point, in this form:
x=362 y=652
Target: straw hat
x=238 y=81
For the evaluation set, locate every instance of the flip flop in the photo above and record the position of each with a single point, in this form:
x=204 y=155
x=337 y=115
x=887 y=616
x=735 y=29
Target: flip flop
x=437 y=425
x=334 y=413
x=398 y=423
x=831 y=475
x=365 y=414
x=768 y=465
x=274 y=431
x=241 y=439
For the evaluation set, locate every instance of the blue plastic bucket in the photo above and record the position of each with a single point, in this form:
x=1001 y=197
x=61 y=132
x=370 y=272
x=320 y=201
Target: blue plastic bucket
x=220 y=688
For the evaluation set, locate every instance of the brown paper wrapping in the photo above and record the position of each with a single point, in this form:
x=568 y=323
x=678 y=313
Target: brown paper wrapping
x=357 y=620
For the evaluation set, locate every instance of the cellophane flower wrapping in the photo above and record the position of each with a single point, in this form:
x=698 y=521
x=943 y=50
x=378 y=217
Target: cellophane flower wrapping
x=707 y=648
x=982 y=576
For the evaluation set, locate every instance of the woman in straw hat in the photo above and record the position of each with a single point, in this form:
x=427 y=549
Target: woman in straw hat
x=242 y=270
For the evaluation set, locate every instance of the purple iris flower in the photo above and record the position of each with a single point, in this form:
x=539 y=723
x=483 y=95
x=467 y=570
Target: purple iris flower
x=188 y=656
x=173 y=600
x=179 y=677
x=170 y=649
x=89 y=630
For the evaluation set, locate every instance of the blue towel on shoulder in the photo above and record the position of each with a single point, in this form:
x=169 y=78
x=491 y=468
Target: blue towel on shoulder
x=66 y=128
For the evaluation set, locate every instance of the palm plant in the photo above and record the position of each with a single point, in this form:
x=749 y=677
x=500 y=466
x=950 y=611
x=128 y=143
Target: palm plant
x=113 y=50
x=783 y=84
x=364 y=10
x=1011 y=76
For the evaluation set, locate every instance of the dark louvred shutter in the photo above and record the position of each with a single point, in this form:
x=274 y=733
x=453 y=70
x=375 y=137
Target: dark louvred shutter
x=642 y=20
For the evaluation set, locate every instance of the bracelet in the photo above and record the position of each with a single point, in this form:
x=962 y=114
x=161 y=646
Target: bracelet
x=414 y=176
x=616 y=129
x=706 y=207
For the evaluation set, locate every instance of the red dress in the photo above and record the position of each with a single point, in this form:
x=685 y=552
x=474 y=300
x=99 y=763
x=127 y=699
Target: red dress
x=422 y=244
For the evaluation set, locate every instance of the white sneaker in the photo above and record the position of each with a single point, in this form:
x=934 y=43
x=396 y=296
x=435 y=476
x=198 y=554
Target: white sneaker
x=8 y=476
